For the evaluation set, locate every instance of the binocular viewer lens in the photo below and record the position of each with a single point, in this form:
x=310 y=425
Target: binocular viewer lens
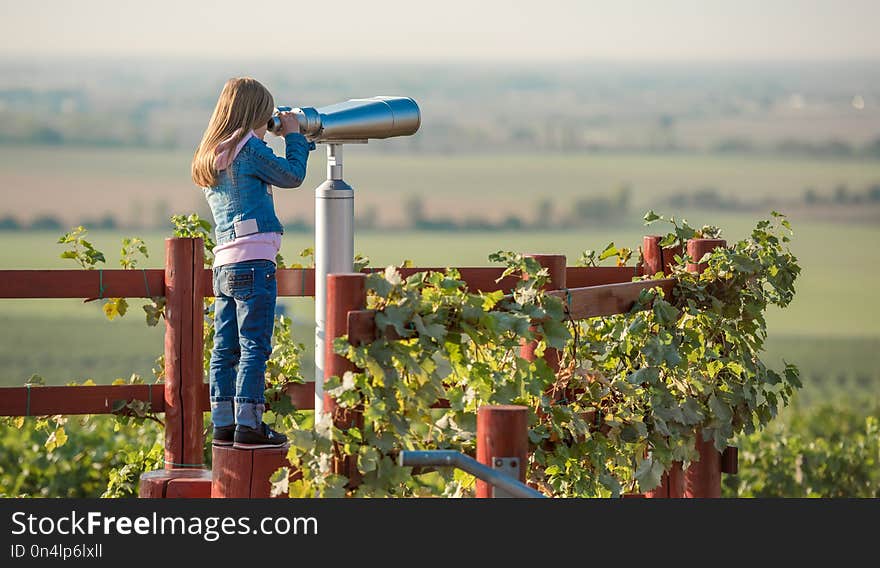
x=354 y=120
x=308 y=118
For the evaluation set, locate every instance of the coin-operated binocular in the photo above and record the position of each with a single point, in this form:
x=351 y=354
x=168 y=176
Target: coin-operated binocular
x=355 y=120
x=352 y=121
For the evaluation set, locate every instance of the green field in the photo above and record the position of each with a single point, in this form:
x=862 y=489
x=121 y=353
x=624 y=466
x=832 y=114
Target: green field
x=832 y=329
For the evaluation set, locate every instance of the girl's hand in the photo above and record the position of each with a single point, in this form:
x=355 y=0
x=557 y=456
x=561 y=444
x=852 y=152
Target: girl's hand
x=289 y=122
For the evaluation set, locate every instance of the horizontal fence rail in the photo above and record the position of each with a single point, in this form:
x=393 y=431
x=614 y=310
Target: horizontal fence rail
x=608 y=299
x=292 y=282
x=103 y=399
x=583 y=303
x=97 y=399
x=116 y=283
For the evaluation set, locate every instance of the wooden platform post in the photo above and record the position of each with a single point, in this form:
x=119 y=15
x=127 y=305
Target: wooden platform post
x=245 y=474
x=659 y=259
x=703 y=478
x=502 y=432
x=175 y=484
x=184 y=371
x=184 y=344
x=671 y=484
x=555 y=264
x=346 y=292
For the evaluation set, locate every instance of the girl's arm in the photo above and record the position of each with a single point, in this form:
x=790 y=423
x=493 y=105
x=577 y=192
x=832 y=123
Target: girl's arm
x=287 y=172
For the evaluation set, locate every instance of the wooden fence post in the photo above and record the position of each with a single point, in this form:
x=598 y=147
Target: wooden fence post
x=697 y=248
x=671 y=484
x=346 y=292
x=502 y=432
x=703 y=478
x=656 y=258
x=555 y=264
x=184 y=344
x=659 y=259
x=184 y=372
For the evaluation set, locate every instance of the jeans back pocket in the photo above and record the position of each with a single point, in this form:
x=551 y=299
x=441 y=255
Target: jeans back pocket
x=241 y=283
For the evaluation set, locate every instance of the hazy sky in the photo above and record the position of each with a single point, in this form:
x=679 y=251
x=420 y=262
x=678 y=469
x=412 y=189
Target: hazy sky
x=447 y=29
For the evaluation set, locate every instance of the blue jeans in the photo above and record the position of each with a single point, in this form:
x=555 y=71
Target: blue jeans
x=244 y=316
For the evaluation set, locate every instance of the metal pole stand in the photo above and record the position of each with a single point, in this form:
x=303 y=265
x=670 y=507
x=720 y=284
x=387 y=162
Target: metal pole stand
x=334 y=250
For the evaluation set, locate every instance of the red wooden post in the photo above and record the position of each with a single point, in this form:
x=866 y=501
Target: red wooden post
x=502 y=432
x=659 y=259
x=697 y=248
x=345 y=293
x=175 y=484
x=555 y=264
x=245 y=473
x=730 y=460
x=190 y=488
x=184 y=344
x=671 y=484
x=184 y=374
x=703 y=478
x=652 y=255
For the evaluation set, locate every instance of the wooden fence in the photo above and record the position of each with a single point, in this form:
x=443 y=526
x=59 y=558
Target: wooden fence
x=183 y=398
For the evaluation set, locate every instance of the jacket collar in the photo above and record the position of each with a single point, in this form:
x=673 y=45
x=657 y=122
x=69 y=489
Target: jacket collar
x=225 y=152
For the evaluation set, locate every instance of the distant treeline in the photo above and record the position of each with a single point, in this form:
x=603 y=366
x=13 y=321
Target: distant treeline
x=53 y=223
x=833 y=148
x=108 y=222
x=842 y=195
x=597 y=210
x=546 y=214
x=822 y=149
x=712 y=198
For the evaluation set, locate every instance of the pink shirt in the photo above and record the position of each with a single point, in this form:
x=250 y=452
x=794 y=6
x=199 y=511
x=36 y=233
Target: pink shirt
x=256 y=246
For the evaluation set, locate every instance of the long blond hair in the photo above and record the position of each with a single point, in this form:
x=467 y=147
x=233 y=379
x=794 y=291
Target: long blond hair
x=244 y=104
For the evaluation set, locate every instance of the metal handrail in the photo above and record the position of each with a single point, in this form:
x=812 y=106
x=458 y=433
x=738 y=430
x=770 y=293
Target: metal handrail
x=451 y=458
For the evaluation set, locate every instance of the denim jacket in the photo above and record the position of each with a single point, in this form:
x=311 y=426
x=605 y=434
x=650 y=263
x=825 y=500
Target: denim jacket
x=241 y=202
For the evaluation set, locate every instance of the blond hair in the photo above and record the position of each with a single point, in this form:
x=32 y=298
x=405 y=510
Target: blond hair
x=244 y=104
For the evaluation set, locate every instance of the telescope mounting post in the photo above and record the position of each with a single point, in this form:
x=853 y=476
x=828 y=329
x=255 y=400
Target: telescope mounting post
x=334 y=161
x=334 y=251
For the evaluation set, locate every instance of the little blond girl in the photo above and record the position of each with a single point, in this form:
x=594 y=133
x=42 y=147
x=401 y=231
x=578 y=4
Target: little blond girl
x=237 y=170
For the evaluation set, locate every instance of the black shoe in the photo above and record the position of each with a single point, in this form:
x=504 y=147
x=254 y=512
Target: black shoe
x=224 y=435
x=247 y=438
